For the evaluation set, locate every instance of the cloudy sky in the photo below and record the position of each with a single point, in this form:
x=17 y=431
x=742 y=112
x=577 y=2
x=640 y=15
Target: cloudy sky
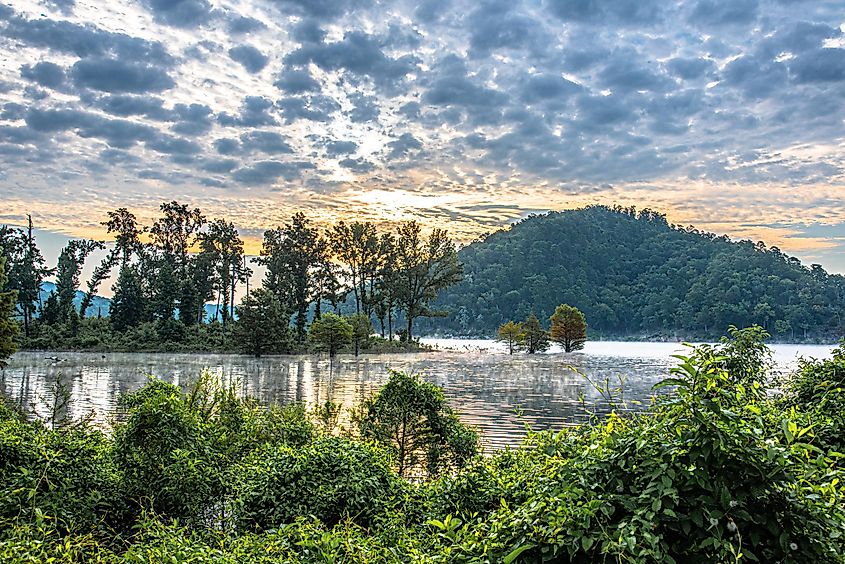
x=725 y=114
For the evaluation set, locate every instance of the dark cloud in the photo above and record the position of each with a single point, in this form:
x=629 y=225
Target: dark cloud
x=720 y=13
x=118 y=133
x=494 y=26
x=358 y=53
x=321 y=9
x=402 y=146
x=268 y=172
x=192 y=119
x=308 y=31
x=251 y=58
x=125 y=105
x=312 y=108
x=116 y=75
x=255 y=112
x=540 y=87
x=240 y=25
x=12 y=111
x=819 y=65
x=296 y=81
x=268 y=142
x=227 y=146
x=180 y=13
x=618 y=12
x=49 y=75
x=689 y=68
x=336 y=148
x=85 y=41
x=220 y=166
x=357 y=165
x=174 y=145
x=365 y=108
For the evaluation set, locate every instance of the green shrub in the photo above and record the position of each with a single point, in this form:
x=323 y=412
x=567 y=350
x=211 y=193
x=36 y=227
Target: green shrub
x=331 y=479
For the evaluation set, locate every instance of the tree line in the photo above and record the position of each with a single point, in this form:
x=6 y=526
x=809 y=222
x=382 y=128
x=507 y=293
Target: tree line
x=169 y=271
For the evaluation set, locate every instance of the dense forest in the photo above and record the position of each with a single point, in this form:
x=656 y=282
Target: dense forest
x=634 y=274
x=172 y=273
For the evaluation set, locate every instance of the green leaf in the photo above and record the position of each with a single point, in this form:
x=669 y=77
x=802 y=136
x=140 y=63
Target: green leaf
x=516 y=552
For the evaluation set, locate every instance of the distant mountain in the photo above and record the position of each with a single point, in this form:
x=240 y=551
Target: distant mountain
x=634 y=274
x=100 y=306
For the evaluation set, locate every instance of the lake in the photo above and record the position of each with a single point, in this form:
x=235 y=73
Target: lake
x=497 y=393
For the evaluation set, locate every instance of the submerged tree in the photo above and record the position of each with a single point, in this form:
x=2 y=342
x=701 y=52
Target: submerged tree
x=512 y=335
x=330 y=333
x=536 y=338
x=412 y=418
x=569 y=328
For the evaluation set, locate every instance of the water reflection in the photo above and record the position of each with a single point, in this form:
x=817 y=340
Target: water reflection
x=497 y=393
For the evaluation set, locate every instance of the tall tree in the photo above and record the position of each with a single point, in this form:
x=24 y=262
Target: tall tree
x=356 y=246
x=26 y=269
x=71 y=260
x=101 y=272
x=222 y=244
x=8 y=326
x=128 y=303
x=569 y=328
x=176 y=232
x=127 y=234
x=423 y=268
x=292 y=254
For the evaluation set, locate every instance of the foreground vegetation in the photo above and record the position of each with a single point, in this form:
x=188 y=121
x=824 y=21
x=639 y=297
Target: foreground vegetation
x=717 y=471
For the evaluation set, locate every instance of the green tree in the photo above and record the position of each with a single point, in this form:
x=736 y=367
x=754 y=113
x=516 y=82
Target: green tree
x=293 y=254
x=423 y=268
x=512 y=335
x=222 y=244
x=330 y=333
x=536 y=338
x=356 y=246
x=262 y=326
x=69 y=267
x=411 y=417
x=569 y=328
x=128 y=303
x=26 y=269
x=362 y=328
x=8 y=326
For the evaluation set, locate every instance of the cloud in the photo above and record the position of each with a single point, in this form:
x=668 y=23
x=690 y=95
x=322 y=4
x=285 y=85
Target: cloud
x=180 y=13
x=268 y=172
x=358 y=53
x=251 y=58
x=819 y=65
x=116 y=75
x=296 y=81
x=255 y=111
x=47 y=74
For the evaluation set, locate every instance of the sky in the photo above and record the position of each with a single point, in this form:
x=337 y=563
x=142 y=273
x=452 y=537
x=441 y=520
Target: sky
x=724 y=114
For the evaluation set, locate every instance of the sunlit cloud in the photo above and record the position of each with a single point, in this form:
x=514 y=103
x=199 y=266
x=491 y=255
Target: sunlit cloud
x=457 y=114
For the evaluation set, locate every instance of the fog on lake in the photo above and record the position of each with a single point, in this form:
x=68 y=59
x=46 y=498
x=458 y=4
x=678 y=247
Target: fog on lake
x=499 y=394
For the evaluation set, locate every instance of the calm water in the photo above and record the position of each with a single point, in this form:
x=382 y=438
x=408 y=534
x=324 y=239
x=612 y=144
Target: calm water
x=497 y=393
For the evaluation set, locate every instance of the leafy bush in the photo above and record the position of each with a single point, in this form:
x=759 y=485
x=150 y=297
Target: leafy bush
x=331 y=479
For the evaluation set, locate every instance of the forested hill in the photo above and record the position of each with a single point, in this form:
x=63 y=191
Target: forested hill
x=632 y=273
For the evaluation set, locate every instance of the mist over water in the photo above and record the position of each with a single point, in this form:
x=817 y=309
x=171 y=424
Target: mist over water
x=498 y=393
